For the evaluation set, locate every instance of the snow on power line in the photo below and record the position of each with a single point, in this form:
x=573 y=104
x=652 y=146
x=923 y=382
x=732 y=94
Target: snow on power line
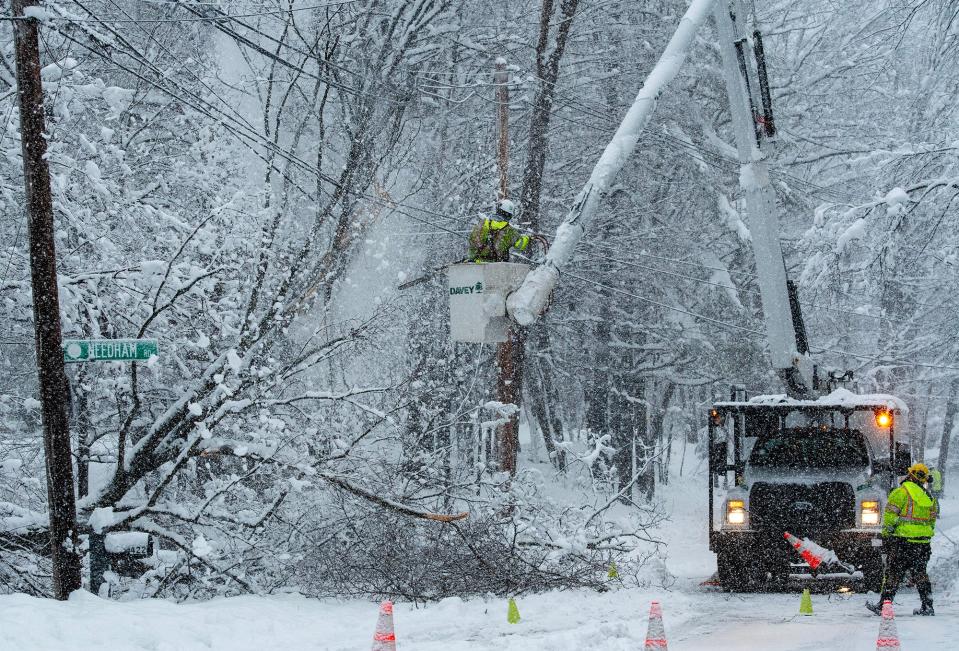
x=529 y=301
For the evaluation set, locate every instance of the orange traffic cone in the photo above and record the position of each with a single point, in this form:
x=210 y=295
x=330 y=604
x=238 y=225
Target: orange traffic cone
x=806 y=551
x=888 y=636
x=384 y=639
x=656 y=633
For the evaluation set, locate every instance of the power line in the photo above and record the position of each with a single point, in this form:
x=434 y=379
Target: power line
x=896 y=362
x=202 y=19
x=247 y=133
x=237 y=128
x=219 y=23
x=185 y=66
x=739 y=289
x=701 y=317
x=689 y=263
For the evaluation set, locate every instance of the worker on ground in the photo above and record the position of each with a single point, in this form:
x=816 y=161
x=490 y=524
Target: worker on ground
x=493 y=239
x=908 y=525
x=935 y=482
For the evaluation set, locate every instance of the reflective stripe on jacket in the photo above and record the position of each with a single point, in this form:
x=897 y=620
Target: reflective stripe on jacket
x=492 y=240
x=910 y=513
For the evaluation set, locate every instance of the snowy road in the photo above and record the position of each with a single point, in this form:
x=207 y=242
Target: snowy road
x=696 y=618
x=557 y=621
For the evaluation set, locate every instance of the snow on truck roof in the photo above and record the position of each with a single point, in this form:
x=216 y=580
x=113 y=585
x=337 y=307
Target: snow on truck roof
x=838 y=399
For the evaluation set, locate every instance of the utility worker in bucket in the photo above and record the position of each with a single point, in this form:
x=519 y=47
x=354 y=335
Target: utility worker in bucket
x=493 y=239
x=935 y=482
x=908 y=525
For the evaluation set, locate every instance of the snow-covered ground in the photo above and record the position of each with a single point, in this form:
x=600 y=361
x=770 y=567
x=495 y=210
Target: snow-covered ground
x=557 y=621
x=696 y=617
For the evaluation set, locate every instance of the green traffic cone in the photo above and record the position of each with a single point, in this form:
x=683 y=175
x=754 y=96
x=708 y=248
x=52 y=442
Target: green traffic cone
x=805 y=606
x=512 y=613
x=613 y=572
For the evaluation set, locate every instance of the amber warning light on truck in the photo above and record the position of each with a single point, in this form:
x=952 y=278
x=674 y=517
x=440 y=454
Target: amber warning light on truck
x=884 y=419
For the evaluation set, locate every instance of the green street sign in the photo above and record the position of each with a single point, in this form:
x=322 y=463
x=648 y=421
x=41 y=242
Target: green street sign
x=109 y=350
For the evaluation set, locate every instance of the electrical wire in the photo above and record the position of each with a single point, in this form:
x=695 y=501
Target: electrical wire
x=738 y=289
x=664 y=137
x=880 y=360
x=694 y=151
x=672 y=308
x=184 y=65
x=219 y=23
x=238 y=129
x=274 y=12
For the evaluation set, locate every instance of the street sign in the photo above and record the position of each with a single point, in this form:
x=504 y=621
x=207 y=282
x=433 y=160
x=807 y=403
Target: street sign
x=109 y=350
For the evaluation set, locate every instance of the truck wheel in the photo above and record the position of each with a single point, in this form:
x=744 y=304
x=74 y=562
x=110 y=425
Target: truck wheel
x=872 y=572
x=737 y=574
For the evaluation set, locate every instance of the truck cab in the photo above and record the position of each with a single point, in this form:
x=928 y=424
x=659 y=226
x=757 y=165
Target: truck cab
x=818 y=469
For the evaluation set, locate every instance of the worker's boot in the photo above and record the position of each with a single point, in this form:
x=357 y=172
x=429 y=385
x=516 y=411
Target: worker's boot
x=926 y=609
x=876 y=608
x=925 y=597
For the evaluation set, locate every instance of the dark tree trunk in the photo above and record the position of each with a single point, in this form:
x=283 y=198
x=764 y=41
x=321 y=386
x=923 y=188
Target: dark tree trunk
x=659 y=418
x=547 y=70
x=542 y=394
x=947 y=423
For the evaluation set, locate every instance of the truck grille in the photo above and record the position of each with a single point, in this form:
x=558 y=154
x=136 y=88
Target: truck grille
x=802 y=509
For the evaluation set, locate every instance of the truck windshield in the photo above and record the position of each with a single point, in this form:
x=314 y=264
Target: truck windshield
x=810 y=448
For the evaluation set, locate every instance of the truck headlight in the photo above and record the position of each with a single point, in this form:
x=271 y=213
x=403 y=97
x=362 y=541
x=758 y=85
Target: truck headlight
x=735 y=512
x=870 y=513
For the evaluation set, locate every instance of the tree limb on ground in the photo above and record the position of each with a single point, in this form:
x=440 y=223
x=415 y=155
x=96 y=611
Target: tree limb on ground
x=339 y=482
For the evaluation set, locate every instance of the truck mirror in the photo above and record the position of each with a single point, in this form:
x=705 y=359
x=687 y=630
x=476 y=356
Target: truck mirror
x=717 y=457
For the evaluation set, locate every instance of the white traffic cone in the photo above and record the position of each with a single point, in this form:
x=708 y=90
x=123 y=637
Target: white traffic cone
x=384 y=639
x=805 y=550
x=656 y=633
x=815 y=554
x=888 y=636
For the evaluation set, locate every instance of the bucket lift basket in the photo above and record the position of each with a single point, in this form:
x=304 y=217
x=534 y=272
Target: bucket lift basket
x=478 y=299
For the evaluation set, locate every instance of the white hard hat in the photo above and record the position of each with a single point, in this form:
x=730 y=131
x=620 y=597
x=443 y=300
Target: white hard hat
x=507 y=206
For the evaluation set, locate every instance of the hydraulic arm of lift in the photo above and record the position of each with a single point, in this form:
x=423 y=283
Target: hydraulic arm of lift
x=787 y=345
x=788 y=349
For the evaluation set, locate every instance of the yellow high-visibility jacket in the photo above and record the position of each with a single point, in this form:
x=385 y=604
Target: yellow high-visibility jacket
x=492 y=240
x=936 y=484
x=910 y=513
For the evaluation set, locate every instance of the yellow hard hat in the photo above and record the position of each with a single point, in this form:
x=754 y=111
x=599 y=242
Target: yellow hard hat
x=919 y=471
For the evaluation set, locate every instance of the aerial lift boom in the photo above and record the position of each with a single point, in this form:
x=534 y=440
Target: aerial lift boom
x=788 y=350
x=787 y=347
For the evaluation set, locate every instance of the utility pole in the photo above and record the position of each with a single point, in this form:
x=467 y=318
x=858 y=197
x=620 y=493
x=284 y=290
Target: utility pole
x=509 y=354
x=501 y=80
x=54 y=391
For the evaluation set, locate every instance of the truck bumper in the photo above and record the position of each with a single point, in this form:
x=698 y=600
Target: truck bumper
x=850 y=545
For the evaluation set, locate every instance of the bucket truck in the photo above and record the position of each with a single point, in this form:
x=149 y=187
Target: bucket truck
x=818 y=466
x=815 y=466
